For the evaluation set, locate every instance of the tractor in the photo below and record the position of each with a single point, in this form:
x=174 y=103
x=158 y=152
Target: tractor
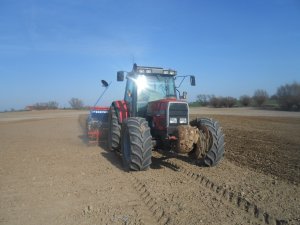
x=155 y=115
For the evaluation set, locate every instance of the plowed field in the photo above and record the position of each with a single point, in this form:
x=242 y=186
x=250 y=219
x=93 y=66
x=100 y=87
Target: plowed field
x=49 y=175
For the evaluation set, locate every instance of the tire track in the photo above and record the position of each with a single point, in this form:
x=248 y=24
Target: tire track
x=231 y=197
x=156 y=209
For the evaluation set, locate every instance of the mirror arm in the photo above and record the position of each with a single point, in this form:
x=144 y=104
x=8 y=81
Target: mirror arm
x=178 y=92
x=183 y=78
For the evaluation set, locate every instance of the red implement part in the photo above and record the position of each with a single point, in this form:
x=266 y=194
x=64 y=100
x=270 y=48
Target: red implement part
x=94 y=136
x=99 y=133
x=99 y=108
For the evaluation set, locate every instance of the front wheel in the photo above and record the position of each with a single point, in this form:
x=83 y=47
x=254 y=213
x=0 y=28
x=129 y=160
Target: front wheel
x=210 y=146
x=136 y=144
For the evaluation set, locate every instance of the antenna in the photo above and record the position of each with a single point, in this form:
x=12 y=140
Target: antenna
x=133 y=59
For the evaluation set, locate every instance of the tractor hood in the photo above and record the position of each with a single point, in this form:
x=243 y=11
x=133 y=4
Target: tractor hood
x=167 y=114
x=159 y=107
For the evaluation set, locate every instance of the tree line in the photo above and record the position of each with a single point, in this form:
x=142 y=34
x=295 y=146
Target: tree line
x=75 y=103
x=287 y=97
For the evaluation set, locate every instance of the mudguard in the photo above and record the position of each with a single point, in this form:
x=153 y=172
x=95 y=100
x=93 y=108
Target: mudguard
x=121 y=110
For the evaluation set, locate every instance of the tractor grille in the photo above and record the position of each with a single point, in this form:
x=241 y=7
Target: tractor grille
x=178 y=110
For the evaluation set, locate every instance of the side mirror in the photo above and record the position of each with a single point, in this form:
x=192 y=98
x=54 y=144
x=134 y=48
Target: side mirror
x=120 y=75
x=104 y=83
x=183 y=96
x=193 y=80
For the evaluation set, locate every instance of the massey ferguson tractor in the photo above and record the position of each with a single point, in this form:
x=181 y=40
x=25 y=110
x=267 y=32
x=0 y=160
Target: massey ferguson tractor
x=153 y=115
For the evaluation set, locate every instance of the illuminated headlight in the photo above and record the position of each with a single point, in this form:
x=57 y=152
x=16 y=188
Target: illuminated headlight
x=141 y=71
x=148 y=71
x=173 y=120
x=182 y=120
x=166 y=72
x=172 y=72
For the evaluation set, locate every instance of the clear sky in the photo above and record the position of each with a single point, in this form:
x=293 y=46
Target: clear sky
x=59 y=49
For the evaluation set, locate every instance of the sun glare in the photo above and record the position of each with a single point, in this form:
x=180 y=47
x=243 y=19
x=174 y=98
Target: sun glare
x=141 y=83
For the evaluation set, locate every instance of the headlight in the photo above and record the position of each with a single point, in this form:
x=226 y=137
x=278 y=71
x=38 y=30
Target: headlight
x=173 y=120
x=183 y=120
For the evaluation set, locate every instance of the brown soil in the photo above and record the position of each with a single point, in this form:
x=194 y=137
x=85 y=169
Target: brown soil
x=264 y=144
x=48 y=175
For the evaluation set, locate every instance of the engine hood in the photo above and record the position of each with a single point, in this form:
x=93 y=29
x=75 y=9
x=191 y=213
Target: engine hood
x=160 y=107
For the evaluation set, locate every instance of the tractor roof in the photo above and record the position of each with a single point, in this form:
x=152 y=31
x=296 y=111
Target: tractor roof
x=152 y=70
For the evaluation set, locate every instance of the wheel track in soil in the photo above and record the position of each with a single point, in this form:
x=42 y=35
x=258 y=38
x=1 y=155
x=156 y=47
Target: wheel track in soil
x=142 y=192
x=233 y=198
x=143 y=197
x=156 y=209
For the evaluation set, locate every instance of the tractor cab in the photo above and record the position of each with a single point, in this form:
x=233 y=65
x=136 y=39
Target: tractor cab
x=149 y=84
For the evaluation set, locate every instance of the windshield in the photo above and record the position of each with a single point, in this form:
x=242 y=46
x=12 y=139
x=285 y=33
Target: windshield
x=155 y=87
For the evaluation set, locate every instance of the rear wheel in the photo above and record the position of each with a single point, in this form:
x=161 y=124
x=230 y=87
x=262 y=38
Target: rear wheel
x=114 y=130
x=210 y=146
x=136 y=144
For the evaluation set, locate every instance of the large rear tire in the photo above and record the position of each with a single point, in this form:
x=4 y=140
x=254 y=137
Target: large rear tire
x=136 y=144
x=114 y=131
x=210 y=147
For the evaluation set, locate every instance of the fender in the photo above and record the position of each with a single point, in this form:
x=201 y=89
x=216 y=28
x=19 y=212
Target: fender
x=121 y=110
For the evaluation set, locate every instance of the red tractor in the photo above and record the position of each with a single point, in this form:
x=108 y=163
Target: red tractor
x=151 y=116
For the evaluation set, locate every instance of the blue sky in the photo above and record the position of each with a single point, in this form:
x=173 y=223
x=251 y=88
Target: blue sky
x=59 y=49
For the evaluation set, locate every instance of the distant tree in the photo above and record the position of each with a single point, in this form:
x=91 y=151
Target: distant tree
x=215 y=102
x=40 y=106
x=245 y=100
x=203 y=99
x=288 y=96
x=52 y=105
x=228 y=102
x=260 y=97
x=274 y=97
x=219 y=102
x=76 y=103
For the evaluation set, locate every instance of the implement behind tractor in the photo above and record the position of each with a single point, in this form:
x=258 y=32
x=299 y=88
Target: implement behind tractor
x=97 y=125
x=97 y=121
x=154 y=114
